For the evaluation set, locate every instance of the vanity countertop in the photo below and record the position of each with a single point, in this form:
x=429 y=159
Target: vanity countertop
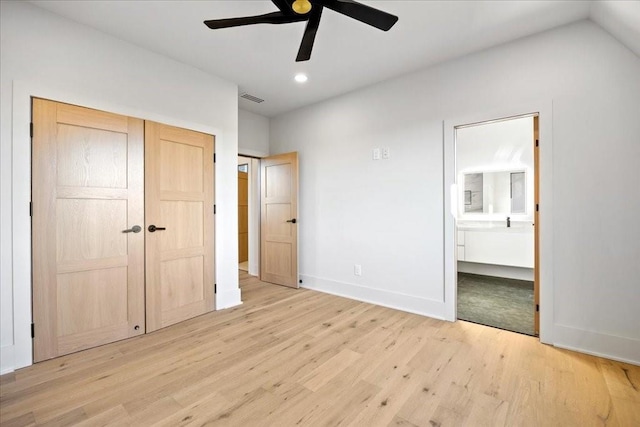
x=516 y=227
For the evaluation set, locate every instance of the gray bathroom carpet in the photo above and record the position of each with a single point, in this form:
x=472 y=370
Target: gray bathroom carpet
x=494 y=301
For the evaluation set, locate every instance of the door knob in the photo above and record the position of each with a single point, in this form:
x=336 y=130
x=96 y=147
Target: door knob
x=134 y=229
x=292 y=221
x=153 y=228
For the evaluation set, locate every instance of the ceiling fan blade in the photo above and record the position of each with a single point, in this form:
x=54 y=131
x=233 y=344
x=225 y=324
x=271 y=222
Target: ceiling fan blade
x=361 y=12
x=304 y=53
x=268 y=18
x=284 y=6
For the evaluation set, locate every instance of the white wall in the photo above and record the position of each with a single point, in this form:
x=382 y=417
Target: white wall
x=253 y=134
x=253 y=140
x=48 y=56
x=388 y=215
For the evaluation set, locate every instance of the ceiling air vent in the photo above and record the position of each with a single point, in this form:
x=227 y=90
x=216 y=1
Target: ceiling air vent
x=251 y=98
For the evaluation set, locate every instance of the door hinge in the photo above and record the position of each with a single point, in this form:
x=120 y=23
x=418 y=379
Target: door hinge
x=537 y=207
x=215 y=288
x=214 y=209
x=33 y=331
x=537 y=142
x=537 y=307
x=214 y=157
x=30 y=208
x=31 y=129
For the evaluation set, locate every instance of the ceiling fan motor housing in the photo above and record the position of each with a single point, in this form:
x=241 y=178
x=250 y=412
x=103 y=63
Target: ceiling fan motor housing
x=301 y=7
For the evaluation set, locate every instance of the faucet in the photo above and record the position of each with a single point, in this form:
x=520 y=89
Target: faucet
x=508 y=222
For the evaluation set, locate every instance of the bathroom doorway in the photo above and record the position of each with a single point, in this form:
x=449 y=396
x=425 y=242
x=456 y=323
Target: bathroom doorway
x=248 y=214
x=496 y=223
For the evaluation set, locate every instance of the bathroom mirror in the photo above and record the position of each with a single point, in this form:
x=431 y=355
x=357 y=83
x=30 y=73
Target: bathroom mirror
x=500 y=192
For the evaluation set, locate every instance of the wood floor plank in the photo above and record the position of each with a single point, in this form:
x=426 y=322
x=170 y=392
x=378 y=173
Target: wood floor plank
x=24 y=420
x=400 y=422
x=114 y=417
x=329 y=369
x=289 y=357
x=334 y=406
x=209 y=409
x=384 y=406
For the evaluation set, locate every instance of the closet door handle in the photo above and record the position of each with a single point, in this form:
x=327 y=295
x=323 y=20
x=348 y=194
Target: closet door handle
x=152 y=228
x=292 y=221
x=134 y=229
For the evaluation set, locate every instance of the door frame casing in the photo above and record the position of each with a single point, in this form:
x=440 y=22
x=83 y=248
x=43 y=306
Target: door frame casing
x=544 y=109
x=23 y=91
x=254 y=217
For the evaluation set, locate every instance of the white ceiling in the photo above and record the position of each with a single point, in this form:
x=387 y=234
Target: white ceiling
x=347 y=54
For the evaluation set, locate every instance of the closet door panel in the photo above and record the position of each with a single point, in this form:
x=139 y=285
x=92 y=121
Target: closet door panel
x=87 y=188
x=179 y=204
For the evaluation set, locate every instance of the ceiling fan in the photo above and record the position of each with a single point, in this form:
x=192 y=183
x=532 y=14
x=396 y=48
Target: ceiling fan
x=310 y=11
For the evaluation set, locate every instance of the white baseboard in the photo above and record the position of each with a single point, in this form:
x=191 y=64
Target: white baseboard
x=7 y=364
x=596 y=344
x=408 y=303
x=517 y=273
x=228 y=299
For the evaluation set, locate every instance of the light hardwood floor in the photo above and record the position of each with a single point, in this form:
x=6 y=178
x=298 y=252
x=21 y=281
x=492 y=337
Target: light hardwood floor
x=291 y=357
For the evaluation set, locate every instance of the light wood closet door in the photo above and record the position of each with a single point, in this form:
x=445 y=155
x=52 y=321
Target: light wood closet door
x=87 y=188
x=179 y=175
x=278 y=224
x=243 y=216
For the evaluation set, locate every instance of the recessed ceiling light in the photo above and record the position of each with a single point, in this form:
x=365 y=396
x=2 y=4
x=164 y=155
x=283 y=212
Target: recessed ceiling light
x=301 y=78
